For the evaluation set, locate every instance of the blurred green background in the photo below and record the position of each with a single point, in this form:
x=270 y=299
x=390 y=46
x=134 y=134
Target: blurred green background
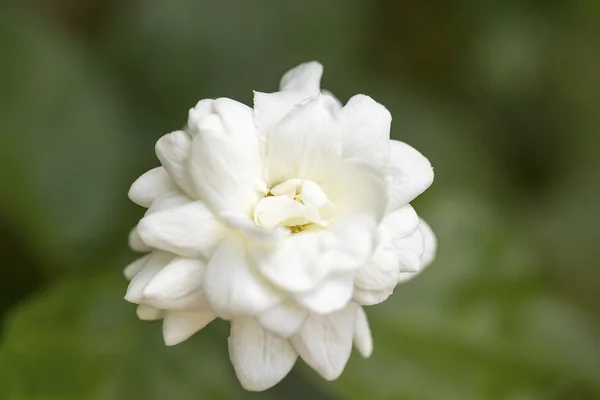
x=503 y=97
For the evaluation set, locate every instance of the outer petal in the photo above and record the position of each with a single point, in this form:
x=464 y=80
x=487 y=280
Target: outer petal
x=284 y=319
x=409 y=174
x=167 y=201
x=401 y=223
x=133 y=268
x=136 y=243
x=332 y=295
x=304 y=144
x=261 y=359
x=190 y=230
x=325 y=341
x=151 y=184
x=231 y=286
x=365 y=126
x=155 y=262
x=173 y=151
x=225 y=165
x=177 y=286
x=148 y=313
x=409 y=251
x=305 y=77
x=429 y=244
x=362 y=334
x=371 y=297
x=180 y=325
x=381 y=272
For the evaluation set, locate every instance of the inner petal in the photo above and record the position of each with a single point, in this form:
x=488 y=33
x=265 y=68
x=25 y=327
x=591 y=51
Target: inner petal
x=295 y=204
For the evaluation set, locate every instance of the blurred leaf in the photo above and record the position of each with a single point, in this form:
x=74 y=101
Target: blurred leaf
x=172 y=54
x=80 y=340
x=64 y=154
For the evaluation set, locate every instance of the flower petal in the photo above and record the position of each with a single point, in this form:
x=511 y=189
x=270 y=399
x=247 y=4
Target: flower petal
x=178 y=286
x=305 y=77
x=178 y=326
x=325 y=341
x=401 y=222
x=190 y=230
x=271 y=108
x=409 y=251
x=260 y=359
x=136 y=243
x=253 y=232
x=169 y=200
x=357 y=189
x=231 y=286
x=296 y=263
x=429 y=244
x=151 y=184
x=409 y=174
x=173 y=151
x=363 y=340
x=370 y=297
x=225 y=166
x=304 y=144
x=365 y=126
x=382 y=270
x=148 y=313
x=156 y=261
x=133 y=268
x=332 y=295
x=283 y=319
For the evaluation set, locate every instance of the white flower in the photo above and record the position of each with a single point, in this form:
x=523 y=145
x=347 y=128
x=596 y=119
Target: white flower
x=284 y=219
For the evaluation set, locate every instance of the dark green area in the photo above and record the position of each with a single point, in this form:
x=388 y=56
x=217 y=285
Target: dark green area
x=502 y=97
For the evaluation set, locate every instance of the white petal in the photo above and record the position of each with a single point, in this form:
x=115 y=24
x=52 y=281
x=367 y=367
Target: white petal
x=382 y=270
x=362 y=334
x=253 y=232
x=370 y=297
x=365 y=126
x=225 y=165
x=409 y=174
x=409 y=251
x=156 y=261
x=148 y=186
x=167 y=201
x=261 y=359
x=429 y=244
x=305 y=77
x=136 y=243
x=132 y=269
x=296 y=263
x=332 y=295
x=190 y=230
x=180 y=325
x=401 y=223
x=173 y=151
x=231 y=285
x=271 y=108
x=275 y=211
x=284 y=319
x=304 y=144
x=325 y=341
x=177 y=286
x=357 y=189
x=148 y=313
